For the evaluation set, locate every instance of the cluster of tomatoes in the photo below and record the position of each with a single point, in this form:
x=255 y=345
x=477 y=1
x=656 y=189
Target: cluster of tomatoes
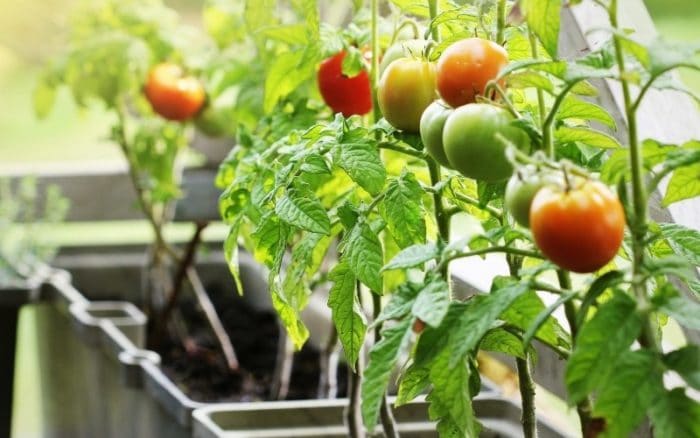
x=576 y=222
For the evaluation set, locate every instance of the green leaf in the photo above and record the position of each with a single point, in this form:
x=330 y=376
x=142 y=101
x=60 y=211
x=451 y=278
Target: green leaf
x=382 y=359
x=270 y=239
x=44 y=98
x=285 y=75
x=575 y=108
x=674 y=414
x=359 y=157
x=545 y=316
x=685 y=181
x=683 y=310
x=665 y=55
x=413 y=256
x=530 y=79
x=630 y=390
x=290 y=317
x=363 y=251
x=685 y=242
x=686 y=362
x=523 y=313
x=231 y=255
x=668 y=265
x=450 y=401
x=502 y=341
x=347 y=315
x=617 y=165
x=400 y=304
x=315 y=165
x=600 y=285
x=232 y=202
x=301 y=208
x=586 y=136
x=433 y=301
x=466 y=323
x=413 y=382
x=599 y=344
x=403 y=210
x=543 y=18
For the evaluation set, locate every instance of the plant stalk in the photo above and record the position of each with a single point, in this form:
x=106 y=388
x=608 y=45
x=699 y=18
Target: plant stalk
x=328 y=364
x=374 y=70
x=540 y=93
x=583 y=408
x=527 y=395
x=385 y=415
x=638 y=224
x=500 y=21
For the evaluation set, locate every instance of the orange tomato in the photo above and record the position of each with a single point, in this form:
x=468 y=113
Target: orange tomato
x=173 y=95
x=580 y=229
x=465 y=68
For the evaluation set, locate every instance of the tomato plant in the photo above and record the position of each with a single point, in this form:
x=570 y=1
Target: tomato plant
x=466 y=67
x=362 y=209
x=405 y=90
x=346 y=95
x=579 y=228
x=473 y=140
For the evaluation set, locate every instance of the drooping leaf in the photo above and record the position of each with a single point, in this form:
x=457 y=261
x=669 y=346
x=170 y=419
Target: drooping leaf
x=382 y=360
x=450 y=401
x=347 y=315
x=599 y=344
x=290 y=317
x=270 y=238
x=413 y=382
x=523 y=313
x=503 y=341
x=231 y=255
x=400 y=304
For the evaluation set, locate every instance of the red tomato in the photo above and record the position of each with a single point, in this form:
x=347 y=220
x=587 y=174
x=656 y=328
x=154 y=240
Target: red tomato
x=346 y=95
x=580 y=229
x=172 y=95
x=465 y=68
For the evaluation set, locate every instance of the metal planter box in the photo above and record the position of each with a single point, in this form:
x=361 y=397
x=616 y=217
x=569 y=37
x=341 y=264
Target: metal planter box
x=98 y=381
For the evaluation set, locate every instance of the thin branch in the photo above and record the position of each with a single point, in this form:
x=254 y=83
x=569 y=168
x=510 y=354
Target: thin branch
x=213 y=318
x=491 y=249
x=328 y=364
x=493 y=211
x=403 y=150
x=283 y=366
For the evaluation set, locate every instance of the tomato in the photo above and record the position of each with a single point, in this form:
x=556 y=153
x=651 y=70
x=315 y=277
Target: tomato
x=405 y=90
x=432 y=123
x=402 y=49
x=465 y=68
x=521 y=189
x=471 y=145
x=579 y=229
x=346 y=95
x=173 y=95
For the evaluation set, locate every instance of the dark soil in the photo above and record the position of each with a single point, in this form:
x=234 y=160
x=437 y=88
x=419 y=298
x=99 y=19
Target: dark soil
x=198 y=366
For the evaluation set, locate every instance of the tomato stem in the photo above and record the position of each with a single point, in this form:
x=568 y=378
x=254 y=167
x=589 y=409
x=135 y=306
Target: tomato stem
x=433 y=10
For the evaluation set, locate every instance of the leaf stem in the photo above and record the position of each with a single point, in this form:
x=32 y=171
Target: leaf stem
x=540 y=93
x=493 y=211
x=403 y=150
x=492 y=249
x=547 y=126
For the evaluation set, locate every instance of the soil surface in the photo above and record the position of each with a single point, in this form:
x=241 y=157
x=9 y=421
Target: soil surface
x=198 y=366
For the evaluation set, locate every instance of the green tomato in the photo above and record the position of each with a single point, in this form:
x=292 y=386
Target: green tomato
x=402 y=49
x=471 y=145
x=405 y=90
x=522 y=188
x=432 y=123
